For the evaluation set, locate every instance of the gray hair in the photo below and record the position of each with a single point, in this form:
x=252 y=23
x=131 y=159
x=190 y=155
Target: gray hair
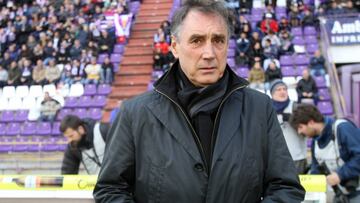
x=204 y=6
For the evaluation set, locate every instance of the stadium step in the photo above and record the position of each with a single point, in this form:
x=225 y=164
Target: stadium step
x=135 y=51
x=135 y=70
x=130 y=80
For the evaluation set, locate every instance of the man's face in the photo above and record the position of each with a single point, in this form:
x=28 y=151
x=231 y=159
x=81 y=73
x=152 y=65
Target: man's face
x=307 y=130
x=201 y=47
x=74 y=135
x=280 y=93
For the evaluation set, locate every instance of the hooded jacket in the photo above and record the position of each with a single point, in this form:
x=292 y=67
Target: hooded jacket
x=153 y=153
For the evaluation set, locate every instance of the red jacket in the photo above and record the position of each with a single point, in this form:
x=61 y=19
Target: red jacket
x=273 y=25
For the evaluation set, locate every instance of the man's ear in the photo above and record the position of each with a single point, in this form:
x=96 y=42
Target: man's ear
x=174 y=46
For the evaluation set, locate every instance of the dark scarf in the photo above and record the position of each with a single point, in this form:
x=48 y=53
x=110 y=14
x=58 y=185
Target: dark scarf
x=280 y=106
x=201 y=104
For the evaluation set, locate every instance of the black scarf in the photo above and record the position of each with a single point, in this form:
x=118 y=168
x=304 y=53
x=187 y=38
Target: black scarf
x=280 y=106
x=201 y=104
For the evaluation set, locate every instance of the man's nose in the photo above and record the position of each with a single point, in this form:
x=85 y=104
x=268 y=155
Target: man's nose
x=208 y=51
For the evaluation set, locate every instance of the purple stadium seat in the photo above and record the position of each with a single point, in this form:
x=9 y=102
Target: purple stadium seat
x=325 y=107
x=231 y=62
x=55 y=130
x=280 y=9
x=21 y=115
x=150 y=86
x=310 y=30
x=231 y=53
x=101 y=58
x=310 y=39
x=156 y=74
x=62 y=147
x=288 y=71
x=71 y=102
x=324 y=94
x=95 y=113
x=320 y=81
x=257 y=11
x=84 y=101
x=309 y=142
x=301 y=59
x=5 y=148
x=311 y=48
x=104 y=89
x=81 y=113
x=300 y=70
x=13 y=129
x=20 y=148
x=115 y=58
x=286 y=60
x=119 y=49
x=256 y=17
x=296 y=31
x=89 y=89
x=232 y=43
x=243 y=72
x=7 y=116
x=116 y=67
x=298 y=40
x=22 y=139
x=280 y=15
x=49 y=148
x=62 y=113
x=2 y=128
x=99 y=101
x=28 y=129
x=43 y=128
x=33 y=148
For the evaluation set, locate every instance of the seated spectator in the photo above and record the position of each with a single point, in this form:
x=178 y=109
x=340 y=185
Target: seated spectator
x=106 y=42
x=158 y=35
x=93 y=47
x=52 y=73
x=272 y=73
x=92 y=71
x=26 y=78
x=75 y=51
x=240 y=25
x=63 y=54
x=255 y=37
x=242 y=44
x=107 y=71
x=269 y=24
x=164 y=54
x=306 y=88
x=349 y=8
x=38 y=52
x=242 y=59
x=286 y=45
x=78 y=74
x=334 y=9
x=245 y=6
x=25 y=52
x=256 y=53
x=284 y=24
x=308 y=19
x=66 y=78
x=6 y=61
x=3 y=76
x=14 y=74
x=269 y=10
x=49 y=108
x=257 y=77
x=271 y=60
x=38 y=73
x=165 y=26
x=317 y=64
x=274 y=39
x=294 y=16
x=270 y=50
x=49 y=51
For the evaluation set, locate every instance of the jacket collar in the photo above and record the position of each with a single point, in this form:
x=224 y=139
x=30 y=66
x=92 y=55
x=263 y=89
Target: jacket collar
x=326 y=135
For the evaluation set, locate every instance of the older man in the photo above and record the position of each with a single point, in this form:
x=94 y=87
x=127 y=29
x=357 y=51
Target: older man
x=201 y=135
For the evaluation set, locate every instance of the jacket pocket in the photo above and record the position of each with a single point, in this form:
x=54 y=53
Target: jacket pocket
x=155 y=183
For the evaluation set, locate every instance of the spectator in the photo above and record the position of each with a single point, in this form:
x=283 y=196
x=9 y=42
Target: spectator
x=306 y=88
x=26 y=78
x=308 y=19
x=93 y=47
x=240 y=25
x=334 y=9
x=38 y=73
x=49 y=108
x=106 y=42
x=86 y=138
x=256 y=54
x=349 y=8
x=257 y=77
x=107 y=71
x=245 y=6
x=317 y=64
x=284 y=24
x=336 y=144
x=284 y=107
x=242 y=59
x=92 y=72
x=272 y=73
x=3 y=76
x=75 y=51
x=164 y=54
x=52 y=73
x=286 y=45
x=78 y=74
x=158 y=35
x=242 y=44
x=274 y=39
x=269 y=24
x=49 y=51
x=25 y=52
x=6 y=61
x=14 y=74
x=294 y=16
x=270 y=50
x=255 y=37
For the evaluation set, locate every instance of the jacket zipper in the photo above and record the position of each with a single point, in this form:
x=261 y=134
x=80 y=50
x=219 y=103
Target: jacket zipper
x=192 y=128
x=216 y=118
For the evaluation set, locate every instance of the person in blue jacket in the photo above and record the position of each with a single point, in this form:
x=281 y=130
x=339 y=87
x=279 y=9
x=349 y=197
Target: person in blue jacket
x=335 y=142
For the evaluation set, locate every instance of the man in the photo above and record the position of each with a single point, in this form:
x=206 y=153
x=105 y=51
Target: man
x=86 y=139
x=200 y=135
x=284 y=107
x=335 y=143
x=306 y=89
x=49 y=108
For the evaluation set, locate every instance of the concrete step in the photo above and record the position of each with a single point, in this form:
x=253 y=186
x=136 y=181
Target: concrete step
x=137 y=60
x=135 y=51
x=146 y=27
x=157 y=12
x=135 y=70
x=143 y=34
x=131 y=80
x=140 y=42
x=155 y=6
x=152 y=19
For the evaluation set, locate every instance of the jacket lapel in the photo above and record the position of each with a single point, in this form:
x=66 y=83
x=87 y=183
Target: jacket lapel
x=228 y=125
x=176 y=124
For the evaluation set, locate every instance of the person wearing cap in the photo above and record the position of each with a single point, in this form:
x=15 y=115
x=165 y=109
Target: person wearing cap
x=269 y=24
x=284 y=107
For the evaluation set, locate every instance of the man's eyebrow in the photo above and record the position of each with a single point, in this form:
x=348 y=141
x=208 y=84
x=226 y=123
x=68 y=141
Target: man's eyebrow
x=194 y=36
x=218 y=36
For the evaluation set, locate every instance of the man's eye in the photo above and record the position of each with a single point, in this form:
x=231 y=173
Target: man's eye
x=219 y=41
x=196 y=41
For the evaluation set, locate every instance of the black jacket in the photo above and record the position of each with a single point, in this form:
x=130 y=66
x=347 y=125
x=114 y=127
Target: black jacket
x=72 y=156
x=152 y=153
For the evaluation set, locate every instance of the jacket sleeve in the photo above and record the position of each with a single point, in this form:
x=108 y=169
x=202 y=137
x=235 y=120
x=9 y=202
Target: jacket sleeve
x=117 y=175
x=71 y=161
x=349 y=141
x=281 y=181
